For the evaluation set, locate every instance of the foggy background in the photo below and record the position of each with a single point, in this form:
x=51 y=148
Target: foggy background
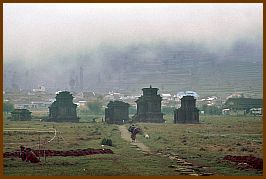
x=208 y=48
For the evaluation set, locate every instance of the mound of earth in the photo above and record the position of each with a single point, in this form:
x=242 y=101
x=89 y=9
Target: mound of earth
x=78 y=152
x=246 y=161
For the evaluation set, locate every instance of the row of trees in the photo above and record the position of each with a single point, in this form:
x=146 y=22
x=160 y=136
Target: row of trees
x=211 y=110
x=93 y=107
x=8 y=107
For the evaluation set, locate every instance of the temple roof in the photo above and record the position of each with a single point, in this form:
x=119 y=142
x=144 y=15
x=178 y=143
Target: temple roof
x=20 y=111
x=117 y=103
x=64 y=94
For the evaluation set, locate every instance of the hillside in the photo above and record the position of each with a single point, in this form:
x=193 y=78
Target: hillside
x=183 y=68
x=172 y=67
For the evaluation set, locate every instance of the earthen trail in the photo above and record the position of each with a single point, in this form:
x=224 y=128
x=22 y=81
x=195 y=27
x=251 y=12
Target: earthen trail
x=182 y=167
x=126 y=136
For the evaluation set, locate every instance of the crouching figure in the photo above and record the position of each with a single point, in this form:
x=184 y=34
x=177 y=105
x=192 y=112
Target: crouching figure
x=31 y=156
x=22 y=153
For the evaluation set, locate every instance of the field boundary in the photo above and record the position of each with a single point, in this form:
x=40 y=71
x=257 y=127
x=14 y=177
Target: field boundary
x=52 y=130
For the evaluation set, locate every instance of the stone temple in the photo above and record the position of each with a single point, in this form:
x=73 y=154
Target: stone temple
x=63 y=109
x=116 y=112
x=21 y=115
x=187 y=113
x=149 y=106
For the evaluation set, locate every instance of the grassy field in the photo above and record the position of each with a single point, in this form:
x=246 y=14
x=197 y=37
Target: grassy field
x=206 y=143
x=202 y=144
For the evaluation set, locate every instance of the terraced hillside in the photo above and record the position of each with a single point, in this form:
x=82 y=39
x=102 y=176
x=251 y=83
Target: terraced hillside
x=184 y=68
x=172 y=67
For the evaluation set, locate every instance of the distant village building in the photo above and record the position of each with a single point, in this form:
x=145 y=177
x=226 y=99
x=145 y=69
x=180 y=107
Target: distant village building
x=256 y=111
x=63 y=109
x=32 y=105
x=113 y=96
x=82 y=104
x=21 y=115
x=21 y=105
x=166 y=96
x=116 y=112
x=242 y=106
x=235 y=95
x=39 y=89
x=180 y=95
x=149 y=106
x=225 y=111
x=88 y=95
x=187 y=113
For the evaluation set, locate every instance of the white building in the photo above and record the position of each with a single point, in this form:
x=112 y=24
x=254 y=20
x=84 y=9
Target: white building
x=187 y=93
x=166 y=96
x=39 y=89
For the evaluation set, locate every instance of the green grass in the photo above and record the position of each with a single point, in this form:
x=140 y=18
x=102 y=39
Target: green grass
x=203 y=144
x=125 y=160
x=208 y=142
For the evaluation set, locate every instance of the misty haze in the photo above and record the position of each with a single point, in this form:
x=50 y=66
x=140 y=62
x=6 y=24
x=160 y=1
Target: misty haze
x=205 y=48
x=108 y=55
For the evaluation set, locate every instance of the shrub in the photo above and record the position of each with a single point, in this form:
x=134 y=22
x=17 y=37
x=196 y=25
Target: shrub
x=168 y=110
x=8 y=107
x=212 y=110
x=95 y=107
x=243 y=149
x=107 y=142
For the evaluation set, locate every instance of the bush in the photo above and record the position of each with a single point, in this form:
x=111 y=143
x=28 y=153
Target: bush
x=168 y=110
x=95 y=107
x=212 y=110
x=107 y=142
x=8 y=107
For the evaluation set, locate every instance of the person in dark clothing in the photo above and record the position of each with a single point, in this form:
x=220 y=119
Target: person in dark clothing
x=134 y=133
x=22 y=154
x=31 y=156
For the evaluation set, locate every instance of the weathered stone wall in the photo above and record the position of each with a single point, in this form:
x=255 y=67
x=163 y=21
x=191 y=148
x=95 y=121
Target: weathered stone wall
x=187 y=113
x=21 y=115
x=149 y=106
x=63 y=109
x=116 y=112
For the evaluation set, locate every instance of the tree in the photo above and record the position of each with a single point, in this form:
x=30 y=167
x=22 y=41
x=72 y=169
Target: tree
x=168 y=110
x=95 y=107
x=212 y=110
x=8 y=107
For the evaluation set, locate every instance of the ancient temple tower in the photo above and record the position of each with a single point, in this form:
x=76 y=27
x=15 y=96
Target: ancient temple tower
x=116 y=112
x=187 y=113
x=149 y=106
x=21 y=115
x=63 y=109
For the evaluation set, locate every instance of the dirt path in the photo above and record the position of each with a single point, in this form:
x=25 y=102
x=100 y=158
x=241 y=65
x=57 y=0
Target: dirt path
x=182 y=167
x=126 y=136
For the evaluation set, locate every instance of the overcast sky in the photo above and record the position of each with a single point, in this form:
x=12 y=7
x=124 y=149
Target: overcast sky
x=34 y=31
